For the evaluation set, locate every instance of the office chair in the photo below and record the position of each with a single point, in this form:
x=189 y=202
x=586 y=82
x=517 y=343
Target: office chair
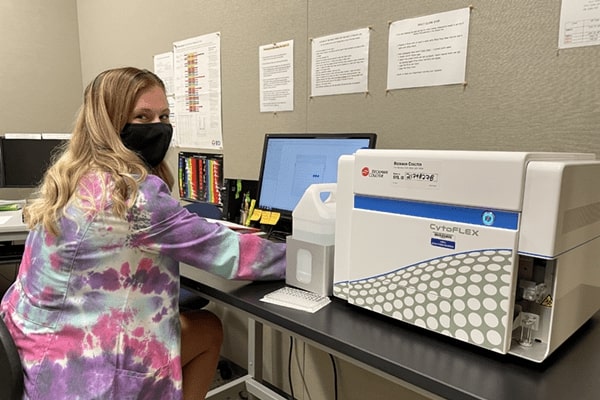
x=206 y=210
x=11 y=369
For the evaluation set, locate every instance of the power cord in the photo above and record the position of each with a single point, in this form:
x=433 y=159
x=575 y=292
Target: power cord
x=335 y=377
x=333 y=365
x=290 y=366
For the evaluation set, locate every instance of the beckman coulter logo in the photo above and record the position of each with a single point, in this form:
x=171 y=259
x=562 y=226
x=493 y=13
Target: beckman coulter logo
x=373 y=173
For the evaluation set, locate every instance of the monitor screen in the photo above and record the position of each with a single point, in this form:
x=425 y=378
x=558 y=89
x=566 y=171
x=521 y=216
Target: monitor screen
x=292 y=162
x=24 y=161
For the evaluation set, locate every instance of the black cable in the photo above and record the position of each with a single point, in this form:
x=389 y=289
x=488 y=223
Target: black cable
x=267 y=230
x=290 y=367
x=335 y=379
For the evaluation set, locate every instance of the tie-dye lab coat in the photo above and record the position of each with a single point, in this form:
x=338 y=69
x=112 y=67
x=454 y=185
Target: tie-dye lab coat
x=94 y=312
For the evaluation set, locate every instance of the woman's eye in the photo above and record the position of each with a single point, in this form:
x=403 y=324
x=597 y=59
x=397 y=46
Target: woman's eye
x=140 y=117
x=164 y=117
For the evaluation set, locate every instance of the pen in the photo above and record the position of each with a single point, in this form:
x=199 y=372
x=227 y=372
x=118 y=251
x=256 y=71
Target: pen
x=246 y=202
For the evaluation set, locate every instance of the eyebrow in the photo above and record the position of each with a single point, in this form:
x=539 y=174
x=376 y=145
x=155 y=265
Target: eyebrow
x=145 y=109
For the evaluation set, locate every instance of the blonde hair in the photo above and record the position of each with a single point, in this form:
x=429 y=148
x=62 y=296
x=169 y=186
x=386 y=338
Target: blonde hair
x=96 y=145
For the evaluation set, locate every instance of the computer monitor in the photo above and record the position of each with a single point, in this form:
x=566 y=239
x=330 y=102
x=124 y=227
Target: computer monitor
x=23 y=162
x=291 y=162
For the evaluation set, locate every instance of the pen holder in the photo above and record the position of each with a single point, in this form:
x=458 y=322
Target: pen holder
x=309 y=266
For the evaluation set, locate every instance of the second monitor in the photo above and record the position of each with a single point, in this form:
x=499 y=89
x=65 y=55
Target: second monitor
x=291 y=162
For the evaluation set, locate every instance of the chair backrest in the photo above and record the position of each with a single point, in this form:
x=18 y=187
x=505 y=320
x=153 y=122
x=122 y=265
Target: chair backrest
x=206 y=210
x=11 y=369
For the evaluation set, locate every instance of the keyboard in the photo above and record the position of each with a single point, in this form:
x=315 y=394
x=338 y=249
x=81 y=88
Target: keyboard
x=298 y=299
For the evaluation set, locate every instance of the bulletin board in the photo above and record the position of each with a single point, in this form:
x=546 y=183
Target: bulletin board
x=520 y=91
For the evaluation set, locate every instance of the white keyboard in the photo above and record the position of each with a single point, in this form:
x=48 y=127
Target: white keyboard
x=297 y=298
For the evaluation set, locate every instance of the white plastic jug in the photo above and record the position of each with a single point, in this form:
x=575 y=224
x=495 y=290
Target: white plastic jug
x=313 y=217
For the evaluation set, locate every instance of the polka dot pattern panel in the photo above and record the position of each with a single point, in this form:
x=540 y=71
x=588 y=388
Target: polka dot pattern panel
x=466 y=296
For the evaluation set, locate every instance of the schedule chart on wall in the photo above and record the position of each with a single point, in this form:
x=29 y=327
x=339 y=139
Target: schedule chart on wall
x=197 y=87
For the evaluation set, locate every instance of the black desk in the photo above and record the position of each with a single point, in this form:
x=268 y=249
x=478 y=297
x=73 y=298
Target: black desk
x=442 y=366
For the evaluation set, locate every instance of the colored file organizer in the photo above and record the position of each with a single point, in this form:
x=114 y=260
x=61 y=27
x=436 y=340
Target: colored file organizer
x=201 y=177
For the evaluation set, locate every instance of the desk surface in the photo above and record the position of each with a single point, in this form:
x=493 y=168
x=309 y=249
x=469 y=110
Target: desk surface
x=440 y=365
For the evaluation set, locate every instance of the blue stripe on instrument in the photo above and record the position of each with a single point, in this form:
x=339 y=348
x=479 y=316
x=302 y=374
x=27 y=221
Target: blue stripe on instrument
x=467 y=215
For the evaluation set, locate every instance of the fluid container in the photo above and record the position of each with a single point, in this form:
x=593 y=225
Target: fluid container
x=313 y=219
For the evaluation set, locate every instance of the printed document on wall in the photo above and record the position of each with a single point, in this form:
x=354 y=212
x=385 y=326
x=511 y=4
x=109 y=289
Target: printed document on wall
x=276 y=74
x=429 y=50
x=163 y=67
x=340 y=63
x=579 y=23
x=197 y=86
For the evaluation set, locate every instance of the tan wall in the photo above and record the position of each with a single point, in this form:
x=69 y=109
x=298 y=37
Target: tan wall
x=40 y=73
x=40 y=70
x=522 y=94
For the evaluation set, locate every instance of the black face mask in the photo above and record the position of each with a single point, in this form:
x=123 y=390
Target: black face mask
x=149 y=141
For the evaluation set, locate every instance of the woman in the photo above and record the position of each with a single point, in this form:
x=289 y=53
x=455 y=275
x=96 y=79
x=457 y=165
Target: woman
x=94 y=309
